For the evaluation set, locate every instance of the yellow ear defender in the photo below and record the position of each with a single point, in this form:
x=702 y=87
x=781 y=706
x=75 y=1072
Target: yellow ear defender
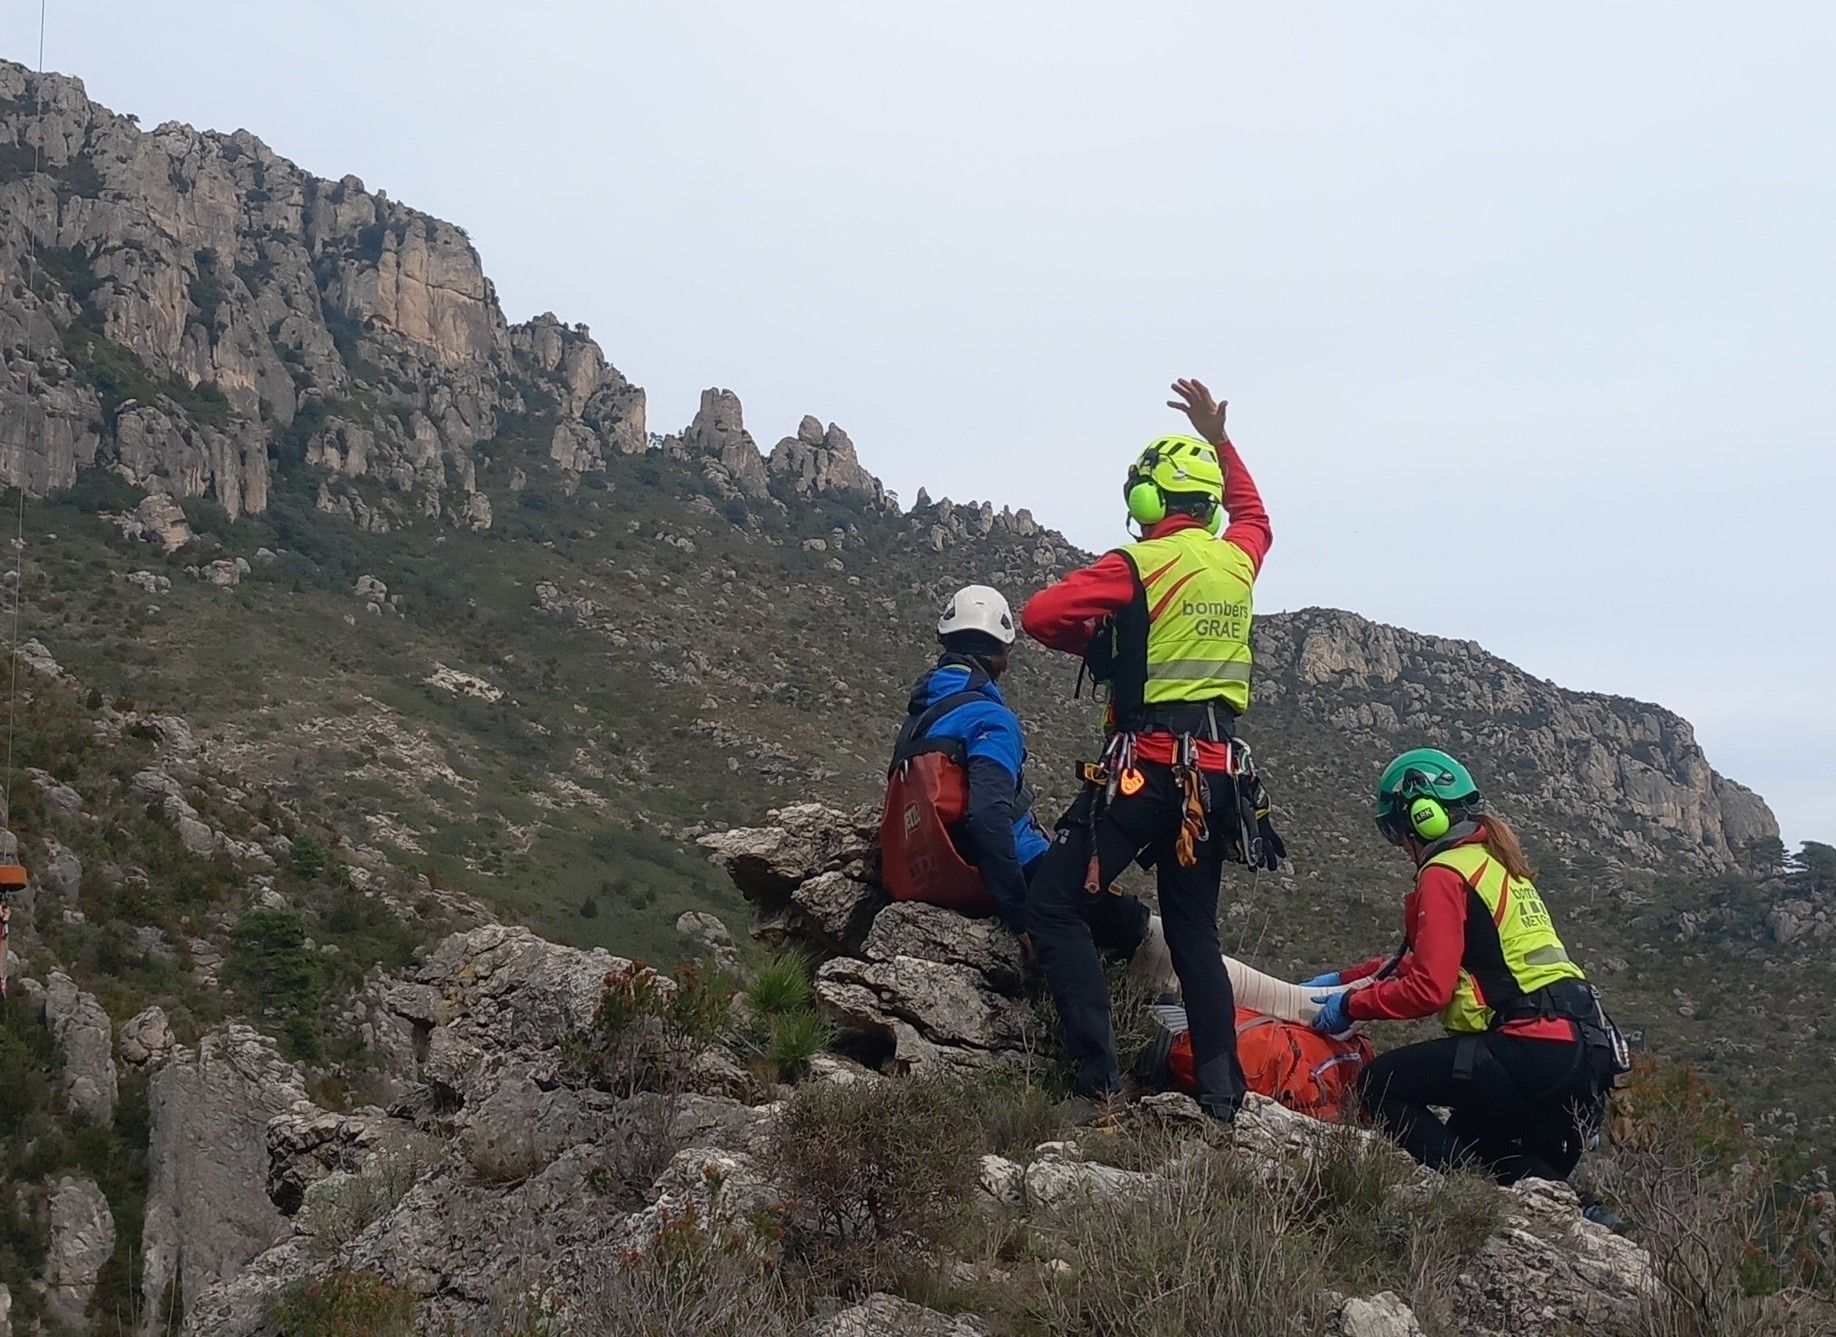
x=1428 y=818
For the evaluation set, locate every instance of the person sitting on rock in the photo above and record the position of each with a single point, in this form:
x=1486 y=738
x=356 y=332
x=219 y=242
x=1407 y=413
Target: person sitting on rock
x=999 y=835
x=1529 y=1054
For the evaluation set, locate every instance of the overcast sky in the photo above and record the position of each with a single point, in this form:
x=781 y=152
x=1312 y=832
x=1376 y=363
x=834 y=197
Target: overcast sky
x=1524 y=312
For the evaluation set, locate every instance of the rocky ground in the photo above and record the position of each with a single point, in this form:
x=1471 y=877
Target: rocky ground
x=512 y=1173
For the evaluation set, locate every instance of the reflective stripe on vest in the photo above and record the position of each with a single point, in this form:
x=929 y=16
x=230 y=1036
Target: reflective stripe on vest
x=1199 y=607
x=1532 y=952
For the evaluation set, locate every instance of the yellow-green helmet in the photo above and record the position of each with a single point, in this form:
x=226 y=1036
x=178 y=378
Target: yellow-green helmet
x=1172 y=469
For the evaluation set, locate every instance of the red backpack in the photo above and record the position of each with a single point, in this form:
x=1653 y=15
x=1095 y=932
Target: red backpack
x=1289 y=1062
x=927 y=793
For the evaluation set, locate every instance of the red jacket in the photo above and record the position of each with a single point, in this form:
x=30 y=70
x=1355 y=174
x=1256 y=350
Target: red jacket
x=1064 y=616
x=1434 y=923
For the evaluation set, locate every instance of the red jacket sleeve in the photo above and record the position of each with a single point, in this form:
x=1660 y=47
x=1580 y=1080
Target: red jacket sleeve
x=1063 y=616
x=1249 y=522
x=1363 y=970
x=1425 y=979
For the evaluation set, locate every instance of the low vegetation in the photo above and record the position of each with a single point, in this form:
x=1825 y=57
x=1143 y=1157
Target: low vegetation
x=345 y=1304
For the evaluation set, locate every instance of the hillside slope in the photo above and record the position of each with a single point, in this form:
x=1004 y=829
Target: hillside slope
x=366 y=612
x=300 y=481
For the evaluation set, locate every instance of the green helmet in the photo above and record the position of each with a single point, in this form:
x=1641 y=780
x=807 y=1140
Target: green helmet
x=1172 y=467
x=1416 y=791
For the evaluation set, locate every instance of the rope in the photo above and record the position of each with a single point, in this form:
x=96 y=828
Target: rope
x=12 y=700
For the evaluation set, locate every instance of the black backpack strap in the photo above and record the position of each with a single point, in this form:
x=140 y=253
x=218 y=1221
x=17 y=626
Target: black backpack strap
x=912 y=740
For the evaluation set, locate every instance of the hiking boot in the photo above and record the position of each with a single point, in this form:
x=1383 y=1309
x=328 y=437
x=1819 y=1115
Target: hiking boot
x=1101 y=1113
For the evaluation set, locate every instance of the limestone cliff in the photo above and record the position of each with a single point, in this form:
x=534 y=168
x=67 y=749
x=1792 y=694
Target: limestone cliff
x=192 y=311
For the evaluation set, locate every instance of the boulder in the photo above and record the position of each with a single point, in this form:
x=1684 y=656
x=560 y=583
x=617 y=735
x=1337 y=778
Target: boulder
x=484 y=1003
x=520 y=1127
x=924 y=1012
x=82 y=1240
x=882 y=1315
x=1549 y=1271
x=1057 y=1181
x=208 y=1211
x=768 y=863
x=146 y=1038
x=707 y=933
x=60 y=872
x=58 y=797
x=85 y=1035
x=831 y=912
x=725 y=1191
x=935 y=934
x=1382 y=1315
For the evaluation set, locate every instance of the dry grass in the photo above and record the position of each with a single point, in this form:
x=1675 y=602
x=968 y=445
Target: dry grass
x=338 y=1210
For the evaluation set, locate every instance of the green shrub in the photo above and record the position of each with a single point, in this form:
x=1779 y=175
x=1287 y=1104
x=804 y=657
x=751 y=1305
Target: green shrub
x=796 y=1038
x=781 y=986
x=1198 y=1254
x=269 y=960
x=308 y=858
x=873 y=1171
x=1016 y=1108
x=647 y=1026
x=344 y=1304
x=688 y=1283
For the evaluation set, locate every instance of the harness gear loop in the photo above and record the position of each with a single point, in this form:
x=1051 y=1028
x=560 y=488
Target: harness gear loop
x=1194 y=824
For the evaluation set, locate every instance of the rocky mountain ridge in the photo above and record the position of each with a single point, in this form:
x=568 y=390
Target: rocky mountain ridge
x=193 y=312
x=194 y=316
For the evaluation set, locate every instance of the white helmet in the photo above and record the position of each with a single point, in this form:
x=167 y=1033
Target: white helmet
x=978 y=608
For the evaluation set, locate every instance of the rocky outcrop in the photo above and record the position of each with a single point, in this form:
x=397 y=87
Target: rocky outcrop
x=208 y=1213
x=710 y=937
x=84 y=1034
x=882 y=1315
x=194 y=299
x=821 y=460
x=908 y=986
x=717 y=439
x=60 y=872
x=1610 y=773
x=82 y=1240
x=146 y=1039
x=485 y=1004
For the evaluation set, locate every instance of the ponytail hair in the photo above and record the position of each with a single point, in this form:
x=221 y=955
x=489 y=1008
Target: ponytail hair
x=1502 y=842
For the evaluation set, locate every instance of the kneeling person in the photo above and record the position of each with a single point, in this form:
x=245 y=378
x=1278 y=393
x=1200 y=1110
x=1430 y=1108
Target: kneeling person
x=1529 y=1055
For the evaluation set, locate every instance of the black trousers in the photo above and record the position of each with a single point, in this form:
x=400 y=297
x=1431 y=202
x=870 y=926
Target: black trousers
x=1067 y=923
x=1519 y=1114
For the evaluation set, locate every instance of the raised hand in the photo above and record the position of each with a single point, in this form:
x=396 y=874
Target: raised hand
x=1205 y=413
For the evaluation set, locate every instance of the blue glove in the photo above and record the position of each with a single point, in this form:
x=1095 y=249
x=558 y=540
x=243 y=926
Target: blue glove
x=1332 y=1019
x=1330 y=980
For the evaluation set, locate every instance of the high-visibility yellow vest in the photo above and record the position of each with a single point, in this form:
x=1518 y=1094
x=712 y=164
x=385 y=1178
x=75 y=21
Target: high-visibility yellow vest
x=1521 y=955
x=1197 y=606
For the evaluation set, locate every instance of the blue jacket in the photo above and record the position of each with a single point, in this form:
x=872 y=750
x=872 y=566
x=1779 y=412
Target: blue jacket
x=999 y=835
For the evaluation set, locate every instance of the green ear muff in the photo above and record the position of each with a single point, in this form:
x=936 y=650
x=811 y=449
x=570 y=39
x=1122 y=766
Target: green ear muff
x=1429 y=819
x=1147 y=504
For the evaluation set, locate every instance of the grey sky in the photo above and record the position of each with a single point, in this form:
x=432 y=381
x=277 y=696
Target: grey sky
x=1524 y=312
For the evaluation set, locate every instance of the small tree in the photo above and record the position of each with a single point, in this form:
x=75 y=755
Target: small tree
x=308 y=857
